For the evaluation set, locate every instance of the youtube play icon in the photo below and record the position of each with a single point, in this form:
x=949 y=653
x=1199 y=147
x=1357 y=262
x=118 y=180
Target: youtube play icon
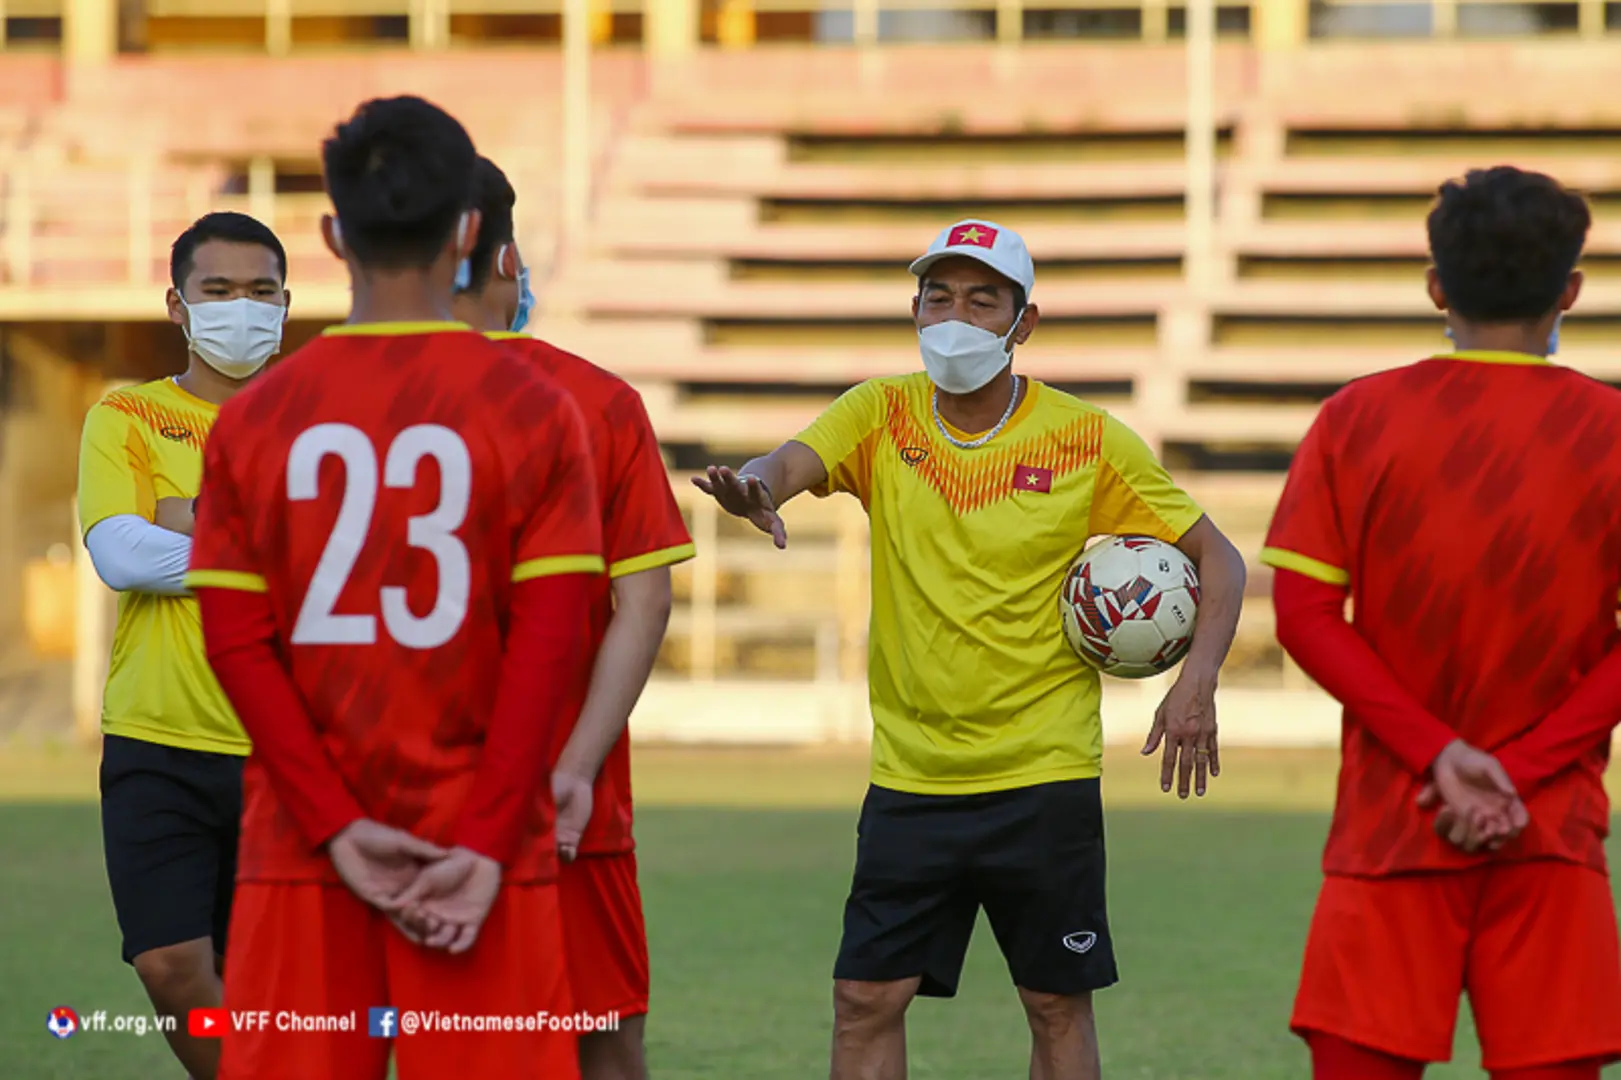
x=207 y=1023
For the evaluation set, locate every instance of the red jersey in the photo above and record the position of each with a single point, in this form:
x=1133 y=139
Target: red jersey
x=642 y=528
x=385 y=486
x=1470 y=503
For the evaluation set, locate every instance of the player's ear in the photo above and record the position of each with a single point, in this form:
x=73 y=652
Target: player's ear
x=1432 y=283
x=506 y=262
x=286 y=303
x=332 y=236
x=1573 y=289
x=177 y=307
x=1027 y=324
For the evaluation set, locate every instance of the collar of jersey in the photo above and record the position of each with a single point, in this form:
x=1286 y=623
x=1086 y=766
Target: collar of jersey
x=1031 y=389
x=190 y=398
x=1488 y=356
x=507 y=335
x=390 y=329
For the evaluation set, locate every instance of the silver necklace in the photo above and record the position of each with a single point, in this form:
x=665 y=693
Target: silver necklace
x=974 y=444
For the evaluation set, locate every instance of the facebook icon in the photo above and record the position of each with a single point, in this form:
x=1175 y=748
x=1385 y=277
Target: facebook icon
x=381 y=1023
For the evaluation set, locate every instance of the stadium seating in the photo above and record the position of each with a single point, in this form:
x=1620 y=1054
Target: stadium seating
x=752 y=215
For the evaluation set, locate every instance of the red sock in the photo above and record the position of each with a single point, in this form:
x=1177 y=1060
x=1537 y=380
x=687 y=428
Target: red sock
x=1570 y=1070
x=1334 y=1058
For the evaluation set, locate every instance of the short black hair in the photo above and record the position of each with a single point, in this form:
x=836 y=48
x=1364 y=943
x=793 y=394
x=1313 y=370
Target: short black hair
x=1504 y=242
x=494 y=199
x=399 y=174
x=225 y=225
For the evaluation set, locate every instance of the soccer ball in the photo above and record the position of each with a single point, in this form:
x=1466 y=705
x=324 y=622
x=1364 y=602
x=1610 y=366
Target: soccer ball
x=1129 y=605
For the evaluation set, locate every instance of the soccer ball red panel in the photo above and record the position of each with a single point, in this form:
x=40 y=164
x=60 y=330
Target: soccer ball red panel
x=1129 y=605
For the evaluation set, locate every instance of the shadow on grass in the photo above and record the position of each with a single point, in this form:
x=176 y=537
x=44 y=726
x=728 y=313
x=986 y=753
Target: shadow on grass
x=744 y=909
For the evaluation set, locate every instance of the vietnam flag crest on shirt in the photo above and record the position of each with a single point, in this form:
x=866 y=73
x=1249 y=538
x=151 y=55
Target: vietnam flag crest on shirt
x=1030 y=478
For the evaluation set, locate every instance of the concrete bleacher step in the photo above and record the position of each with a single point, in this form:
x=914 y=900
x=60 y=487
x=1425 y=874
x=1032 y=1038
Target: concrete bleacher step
x=944 y=89
x=1408 y=84
x=729 y=227
x=1417 y=173
x=1118 y=181
x=845 y=367
x=680 y=350
x=703 y=289
x=658 y=157
x=1363 y=299
x=211 y=104
x=755 y=423
x=712 y=168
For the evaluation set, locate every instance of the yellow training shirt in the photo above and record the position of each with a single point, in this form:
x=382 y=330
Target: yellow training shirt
x=141 y=445
x=973 y=685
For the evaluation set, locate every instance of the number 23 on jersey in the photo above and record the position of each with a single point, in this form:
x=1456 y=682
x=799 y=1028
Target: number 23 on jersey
x=318 y=623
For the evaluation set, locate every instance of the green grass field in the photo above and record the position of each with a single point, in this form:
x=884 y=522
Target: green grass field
x=745 y=859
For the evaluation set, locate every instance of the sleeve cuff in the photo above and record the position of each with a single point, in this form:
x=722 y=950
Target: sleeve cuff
x=808 y=441
x=88 y=523
x=653 y=559
x=334 y=822
x=1520 y=773
x=1179 y=525
x=226 y=579
x=1425 y=746
x=554 y=565
x=1305 y=565
x=830 y=464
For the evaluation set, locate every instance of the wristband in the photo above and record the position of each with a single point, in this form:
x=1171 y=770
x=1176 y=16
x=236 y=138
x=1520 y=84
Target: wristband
x=763 y=486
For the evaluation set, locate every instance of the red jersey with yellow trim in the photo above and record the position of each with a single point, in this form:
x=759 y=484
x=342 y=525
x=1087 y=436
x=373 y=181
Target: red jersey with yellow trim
x=386 y=485
x=642 y=529
x=1472 y=503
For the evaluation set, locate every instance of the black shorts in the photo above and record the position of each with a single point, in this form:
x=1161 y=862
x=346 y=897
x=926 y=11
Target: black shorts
x=1031 y=857
x=169 y=822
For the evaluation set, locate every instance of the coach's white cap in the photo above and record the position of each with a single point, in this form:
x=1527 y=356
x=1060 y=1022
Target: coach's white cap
x=1000 y=249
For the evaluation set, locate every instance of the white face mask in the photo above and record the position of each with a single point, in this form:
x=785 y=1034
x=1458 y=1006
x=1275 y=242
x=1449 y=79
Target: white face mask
x=235 y=337
x=960 y=357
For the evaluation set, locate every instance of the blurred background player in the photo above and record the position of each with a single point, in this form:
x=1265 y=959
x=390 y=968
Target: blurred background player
x=643 y=536
x=172 y=748
x=394 y=556
x=1466 y=504
x=983 y=486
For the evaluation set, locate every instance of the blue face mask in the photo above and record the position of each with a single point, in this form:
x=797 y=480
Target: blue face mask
x=526 y=302
x=464 y=275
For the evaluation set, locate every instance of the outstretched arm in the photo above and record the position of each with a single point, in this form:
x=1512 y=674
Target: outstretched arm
x=791 y=469
x=762 y=486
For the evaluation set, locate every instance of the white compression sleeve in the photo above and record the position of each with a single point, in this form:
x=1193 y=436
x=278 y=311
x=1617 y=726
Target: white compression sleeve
x=131 y=554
